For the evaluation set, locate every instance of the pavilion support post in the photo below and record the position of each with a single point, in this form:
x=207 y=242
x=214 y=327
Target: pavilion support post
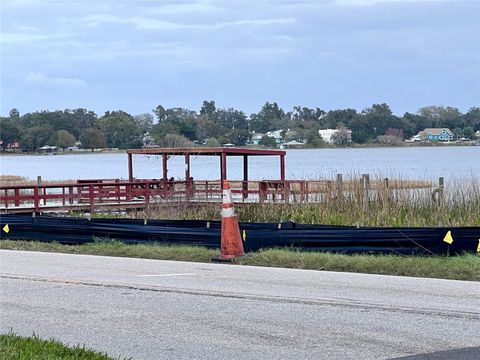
x=130 y=168
x=188 y=182
x=164 y=165
x=282 y=167
x=224 y=166
x=245 y=177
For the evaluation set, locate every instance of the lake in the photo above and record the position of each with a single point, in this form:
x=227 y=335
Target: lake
x=405 y=162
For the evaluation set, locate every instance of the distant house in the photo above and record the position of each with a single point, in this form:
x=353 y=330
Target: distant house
x=327 y=135
x=436 y=134
x=292 y=145
x=278 y=135
x=47 y=149
x=10 y=147
x=148 y=141
x=256 y=137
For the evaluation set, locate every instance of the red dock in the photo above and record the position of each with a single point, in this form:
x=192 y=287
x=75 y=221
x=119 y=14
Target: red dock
x=92 y=194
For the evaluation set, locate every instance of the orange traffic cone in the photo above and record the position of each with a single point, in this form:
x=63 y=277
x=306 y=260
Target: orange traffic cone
x=231 y=244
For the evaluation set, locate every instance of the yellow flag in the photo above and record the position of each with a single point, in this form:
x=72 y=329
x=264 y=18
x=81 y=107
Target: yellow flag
x=6 y=228
x=478 y=247
x=448 y=238
x=244 y=235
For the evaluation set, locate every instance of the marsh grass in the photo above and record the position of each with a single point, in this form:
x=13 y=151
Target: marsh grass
x=387 y=206
x=14 y=180
x=461 y=267
x=14 y=347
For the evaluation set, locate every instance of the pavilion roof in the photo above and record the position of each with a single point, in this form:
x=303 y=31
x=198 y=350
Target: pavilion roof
x=231 y=151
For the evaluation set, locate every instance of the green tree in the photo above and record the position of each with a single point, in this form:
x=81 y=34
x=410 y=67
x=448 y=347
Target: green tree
x=314 y=140
x=268 y=141
x=36 y=137
x=208 y=108
x=62 y=138
x=334 y=117
x=93 y=139
x=174 y=141
x=144 y=122
x=120 y=129
x=270 y=117
x=9 y=131
x=440 y=116
x=238 y=136
x=160 y=113
x=14 y=114
x=80 y=119
x=176 y=121
x=472 y=118
x=468 y=132
x=213 y=142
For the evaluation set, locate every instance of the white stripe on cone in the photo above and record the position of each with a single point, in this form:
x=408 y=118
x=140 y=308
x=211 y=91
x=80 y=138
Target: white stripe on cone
x=228 y=212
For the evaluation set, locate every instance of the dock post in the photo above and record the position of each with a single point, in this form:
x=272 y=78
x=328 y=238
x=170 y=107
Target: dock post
x=441 y=187
x=130 y=167
x=339 y=186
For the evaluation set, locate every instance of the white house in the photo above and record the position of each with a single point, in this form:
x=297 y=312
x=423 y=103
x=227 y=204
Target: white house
x=256 y=137
x=277 y=135
x=327 y=134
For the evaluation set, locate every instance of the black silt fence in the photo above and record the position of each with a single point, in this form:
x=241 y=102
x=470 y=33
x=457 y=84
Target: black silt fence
x=343 y=239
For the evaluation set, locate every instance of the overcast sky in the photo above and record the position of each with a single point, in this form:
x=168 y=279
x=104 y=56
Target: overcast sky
x=134 y=55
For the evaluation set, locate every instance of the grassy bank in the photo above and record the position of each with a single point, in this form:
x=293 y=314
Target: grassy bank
x=14 y=347
x=464 y=267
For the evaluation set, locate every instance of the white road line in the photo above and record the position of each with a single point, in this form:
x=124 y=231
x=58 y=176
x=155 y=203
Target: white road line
x=164 y=275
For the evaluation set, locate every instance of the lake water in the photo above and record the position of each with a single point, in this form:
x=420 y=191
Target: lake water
x=407 y=163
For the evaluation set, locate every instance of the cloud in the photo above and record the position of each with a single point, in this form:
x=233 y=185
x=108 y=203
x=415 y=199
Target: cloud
x=25 y=37
x=195 y=7
x=145 y=23
x=40 y=79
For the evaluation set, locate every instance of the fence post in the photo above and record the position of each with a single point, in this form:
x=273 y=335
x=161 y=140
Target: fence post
x=366 y=185
x=339 y=186
x=40 y=191
x=440 y=190
x=386 y=189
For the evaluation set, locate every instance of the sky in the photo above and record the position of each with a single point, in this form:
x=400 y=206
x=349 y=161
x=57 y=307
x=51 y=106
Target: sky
x=134 y=55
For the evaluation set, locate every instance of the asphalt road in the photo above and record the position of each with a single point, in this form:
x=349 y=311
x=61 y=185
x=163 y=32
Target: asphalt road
x=150 y=309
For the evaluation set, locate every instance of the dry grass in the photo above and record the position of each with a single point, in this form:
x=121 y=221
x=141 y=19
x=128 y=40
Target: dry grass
x=14 y=180
x=399 y=206
x=7 y=180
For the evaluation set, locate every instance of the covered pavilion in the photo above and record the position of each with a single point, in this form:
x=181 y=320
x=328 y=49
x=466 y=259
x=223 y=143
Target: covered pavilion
x=222 y=152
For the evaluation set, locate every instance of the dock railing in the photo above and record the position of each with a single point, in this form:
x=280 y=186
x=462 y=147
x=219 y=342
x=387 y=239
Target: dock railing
x=91 y=194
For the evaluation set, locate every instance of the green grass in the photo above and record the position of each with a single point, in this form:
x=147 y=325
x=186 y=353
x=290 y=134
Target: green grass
x=462 y=267
x=14 y=347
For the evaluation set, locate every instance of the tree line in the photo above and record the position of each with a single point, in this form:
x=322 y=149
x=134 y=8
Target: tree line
x=214 y=126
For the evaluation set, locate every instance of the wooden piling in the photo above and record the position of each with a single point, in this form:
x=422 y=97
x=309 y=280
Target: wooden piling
x=441 y=185
x=339 y=186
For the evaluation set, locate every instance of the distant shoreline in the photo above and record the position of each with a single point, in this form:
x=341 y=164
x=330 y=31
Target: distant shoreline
x=355 y=146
